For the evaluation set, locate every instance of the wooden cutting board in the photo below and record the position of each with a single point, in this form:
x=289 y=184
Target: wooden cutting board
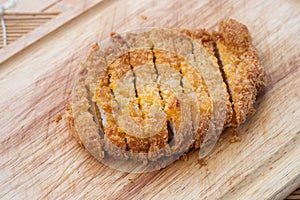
x=39 y=159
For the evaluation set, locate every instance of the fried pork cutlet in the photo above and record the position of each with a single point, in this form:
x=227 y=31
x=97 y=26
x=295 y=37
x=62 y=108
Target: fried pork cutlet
x=152 y=95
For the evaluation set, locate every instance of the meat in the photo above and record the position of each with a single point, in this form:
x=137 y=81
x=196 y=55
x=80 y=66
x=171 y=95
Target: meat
x=151 y=95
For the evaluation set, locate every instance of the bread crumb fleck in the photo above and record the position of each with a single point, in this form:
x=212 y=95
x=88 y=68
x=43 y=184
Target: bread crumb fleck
x=252 y=112
x=82 y=69
x=130 y=180
x=202 y=162
x=270 y=168
x=234 y=139
x=184 y=157
x=69 y=108
x=57 y=117
x=68 y=91
x=112 y=34
x=143 y=17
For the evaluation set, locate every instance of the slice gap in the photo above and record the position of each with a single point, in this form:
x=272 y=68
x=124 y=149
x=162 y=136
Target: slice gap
x=94 y=111
x=181 y=79
x=134 y=81
x=171 y=135
x=221 y=68
x=109 y=83
x=157 y=76
x=127 y=145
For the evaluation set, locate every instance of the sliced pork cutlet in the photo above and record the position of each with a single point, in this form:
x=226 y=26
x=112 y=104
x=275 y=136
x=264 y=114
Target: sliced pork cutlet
x=84 y=123
x=151 y=95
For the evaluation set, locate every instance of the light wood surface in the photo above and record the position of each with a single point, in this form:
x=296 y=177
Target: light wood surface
x=39 y=159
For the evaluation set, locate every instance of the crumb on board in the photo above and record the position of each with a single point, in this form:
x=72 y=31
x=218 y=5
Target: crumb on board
x=113 y=34
x=252 y=112
x=82 y=69
x=184 y=157
x=57 y=117
x=234 y=139
x=130 y=180
x=68 y=108
x=68 y=91
x=202 y=162
x=270 y=168
x=143 y=17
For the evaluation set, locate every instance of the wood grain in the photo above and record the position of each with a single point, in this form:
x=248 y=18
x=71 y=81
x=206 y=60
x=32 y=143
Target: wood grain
x=39 y=159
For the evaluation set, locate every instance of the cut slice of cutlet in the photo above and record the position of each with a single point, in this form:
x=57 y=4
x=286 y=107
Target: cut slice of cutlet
x=172 y=91
x=204 y=39
x=205 y=64
x=243 y=71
